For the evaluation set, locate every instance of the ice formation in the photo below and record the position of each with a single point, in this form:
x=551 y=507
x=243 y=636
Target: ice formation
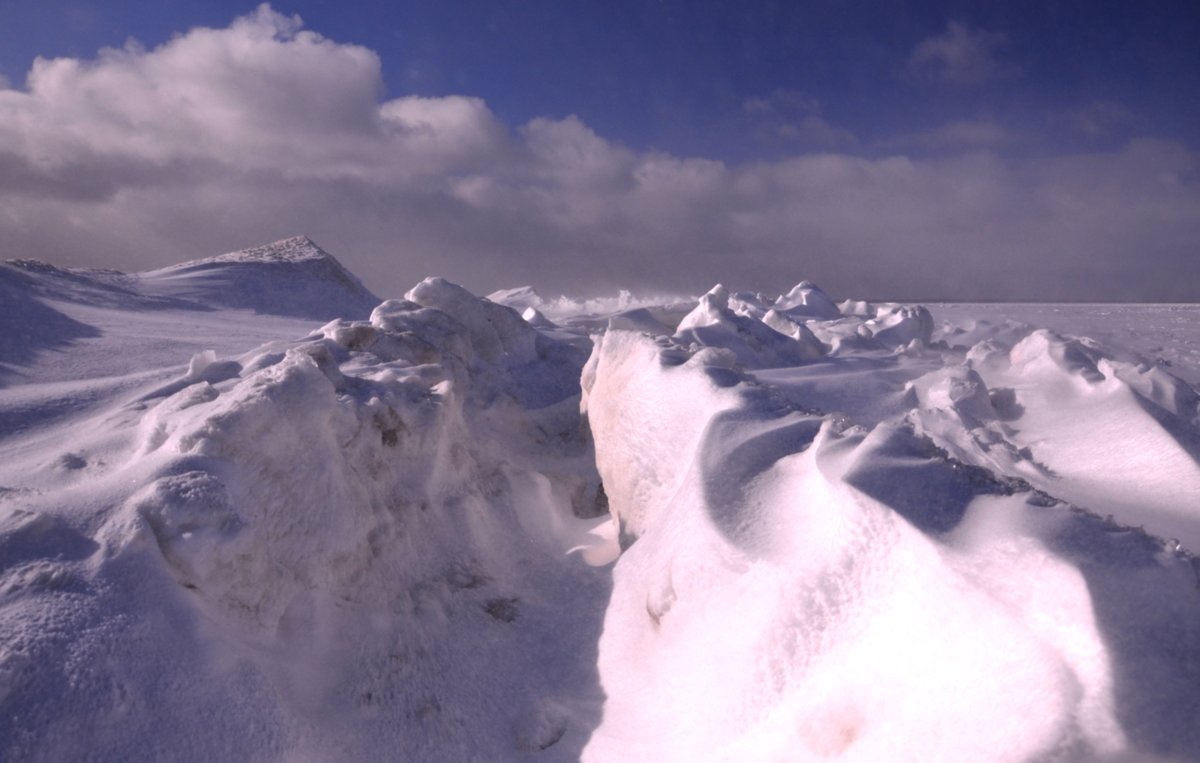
x=441 y=527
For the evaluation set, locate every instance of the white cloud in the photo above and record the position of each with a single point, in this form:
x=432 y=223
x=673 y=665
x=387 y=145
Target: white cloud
x=230 y=137
x=961 y=56
x=571 y=153
x=440 y=134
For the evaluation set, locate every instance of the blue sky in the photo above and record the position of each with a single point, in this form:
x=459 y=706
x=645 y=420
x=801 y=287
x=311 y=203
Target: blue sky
x=677 y=75
x=613 y=139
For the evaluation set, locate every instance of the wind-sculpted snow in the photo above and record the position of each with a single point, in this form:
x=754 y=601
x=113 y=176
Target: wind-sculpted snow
x=807 y=299
x=1118 y=437
x=29 y=326
x=369 y=537
x=903 y=583
x=740 y=527
x=752 y=342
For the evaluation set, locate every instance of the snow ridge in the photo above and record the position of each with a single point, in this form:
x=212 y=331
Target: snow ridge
x=815 y=586
x=292 y=277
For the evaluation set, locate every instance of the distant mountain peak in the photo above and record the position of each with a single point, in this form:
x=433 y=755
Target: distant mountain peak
x=292 y=276
x=285 y=250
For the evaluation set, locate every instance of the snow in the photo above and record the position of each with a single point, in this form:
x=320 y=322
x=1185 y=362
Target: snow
x=790 y=573
x=807 y=299
x=250 y=511
x=754 y=343
x=293 y=277
x=521 y=298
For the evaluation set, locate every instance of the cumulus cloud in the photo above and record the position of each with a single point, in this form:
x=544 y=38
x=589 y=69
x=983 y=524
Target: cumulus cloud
x=225 y=138
x=961 y=56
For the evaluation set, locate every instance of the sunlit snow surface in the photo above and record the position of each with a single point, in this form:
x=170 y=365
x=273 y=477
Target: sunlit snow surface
x=232 y=529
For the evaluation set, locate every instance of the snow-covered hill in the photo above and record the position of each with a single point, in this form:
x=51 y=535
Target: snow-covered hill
x=449 y=528
x=293 y=277
x=114 y=323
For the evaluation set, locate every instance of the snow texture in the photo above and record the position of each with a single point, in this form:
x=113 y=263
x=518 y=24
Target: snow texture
x=249 y=511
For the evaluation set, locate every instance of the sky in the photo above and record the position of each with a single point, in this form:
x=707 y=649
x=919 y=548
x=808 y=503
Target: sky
x=898 y=150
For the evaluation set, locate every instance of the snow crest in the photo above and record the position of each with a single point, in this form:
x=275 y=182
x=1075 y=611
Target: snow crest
x=903 y=582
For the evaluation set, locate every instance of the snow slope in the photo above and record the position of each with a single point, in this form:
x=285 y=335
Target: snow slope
x=448 y=528
x=357 y=540
x=293 y=277
x=1164 y=333
x=894 y=580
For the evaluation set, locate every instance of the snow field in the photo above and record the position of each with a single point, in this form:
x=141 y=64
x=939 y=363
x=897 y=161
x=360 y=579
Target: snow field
x=740 y=528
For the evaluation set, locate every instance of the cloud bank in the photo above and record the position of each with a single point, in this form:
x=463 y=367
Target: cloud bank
x=225 y=138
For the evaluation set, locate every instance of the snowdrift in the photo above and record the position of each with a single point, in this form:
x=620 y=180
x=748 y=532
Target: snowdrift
x=449 y=528
x=366 y=538
x=292 y=277
x=799 y=585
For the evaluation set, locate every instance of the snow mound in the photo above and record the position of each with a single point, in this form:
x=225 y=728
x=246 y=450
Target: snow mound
x=292 y=277
x=796 y=587
x=520 y=298
x=750 y=342
x=796 y=329
x=808 y=300
x=495 y=331
x=378 y=518
x=1117 y=437
x=901 y=325
x=856 y=307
